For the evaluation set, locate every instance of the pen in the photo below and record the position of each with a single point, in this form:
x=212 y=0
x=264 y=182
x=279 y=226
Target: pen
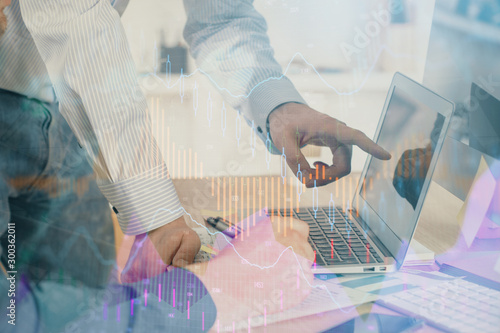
x=223 y=226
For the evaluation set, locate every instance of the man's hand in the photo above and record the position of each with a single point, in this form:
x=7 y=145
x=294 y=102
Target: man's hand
x=293 y=126
x=172 y=244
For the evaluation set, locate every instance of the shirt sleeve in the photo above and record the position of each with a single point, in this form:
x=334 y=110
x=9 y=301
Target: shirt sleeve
x=228 y=39
x=85 y=50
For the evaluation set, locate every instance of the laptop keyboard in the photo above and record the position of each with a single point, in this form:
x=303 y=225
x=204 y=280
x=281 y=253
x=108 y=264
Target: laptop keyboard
x=334 y=238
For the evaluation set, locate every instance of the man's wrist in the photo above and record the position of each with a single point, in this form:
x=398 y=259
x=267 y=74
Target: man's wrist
x=274 y=114
x=265 y=98
x=144 y=202
x=156 y=235
x=177 y=223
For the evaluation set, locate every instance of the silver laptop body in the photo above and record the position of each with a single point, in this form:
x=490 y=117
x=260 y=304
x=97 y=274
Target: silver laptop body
x=373 y=234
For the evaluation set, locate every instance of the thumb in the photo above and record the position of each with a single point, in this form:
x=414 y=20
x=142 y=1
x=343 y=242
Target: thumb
x=189 y=247
x=297 y=161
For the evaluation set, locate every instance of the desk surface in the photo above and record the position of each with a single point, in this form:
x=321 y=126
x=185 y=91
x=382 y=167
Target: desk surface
x=437 y=229
x=234 y=195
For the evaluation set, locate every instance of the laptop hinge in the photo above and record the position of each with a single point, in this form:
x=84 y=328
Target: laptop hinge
x=371 y=235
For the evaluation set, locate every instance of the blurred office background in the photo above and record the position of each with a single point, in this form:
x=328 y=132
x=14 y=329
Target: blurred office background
x=463 y=66
x=188 y=113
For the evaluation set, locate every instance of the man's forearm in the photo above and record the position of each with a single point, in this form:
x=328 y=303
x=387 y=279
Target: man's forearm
x=232 y=47
x=87 y=56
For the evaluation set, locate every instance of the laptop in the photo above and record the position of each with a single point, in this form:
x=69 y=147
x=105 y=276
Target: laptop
x=374 y=233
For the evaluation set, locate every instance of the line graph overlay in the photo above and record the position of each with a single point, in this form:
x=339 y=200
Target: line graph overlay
x=287 y=68
x=262 y=267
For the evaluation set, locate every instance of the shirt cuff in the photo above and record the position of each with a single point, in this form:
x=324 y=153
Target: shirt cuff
x=144 y=202
x=266 y=97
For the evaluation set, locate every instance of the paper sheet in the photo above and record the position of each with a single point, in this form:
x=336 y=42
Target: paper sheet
x=477 y=202
x=346 y=292
x=418 y=254
x=211 y=243
x=324 y=296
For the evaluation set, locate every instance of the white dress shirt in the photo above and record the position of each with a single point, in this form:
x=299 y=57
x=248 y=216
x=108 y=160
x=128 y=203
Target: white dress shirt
x=79 y=48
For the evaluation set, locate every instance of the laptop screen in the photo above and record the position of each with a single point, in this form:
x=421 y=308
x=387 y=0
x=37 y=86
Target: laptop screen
x=410 y=132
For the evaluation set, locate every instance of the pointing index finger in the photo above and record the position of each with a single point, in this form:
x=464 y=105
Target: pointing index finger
x=353 y=136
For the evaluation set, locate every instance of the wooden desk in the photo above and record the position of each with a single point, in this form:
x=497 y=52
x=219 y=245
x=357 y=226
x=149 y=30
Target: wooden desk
x=438 y=228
